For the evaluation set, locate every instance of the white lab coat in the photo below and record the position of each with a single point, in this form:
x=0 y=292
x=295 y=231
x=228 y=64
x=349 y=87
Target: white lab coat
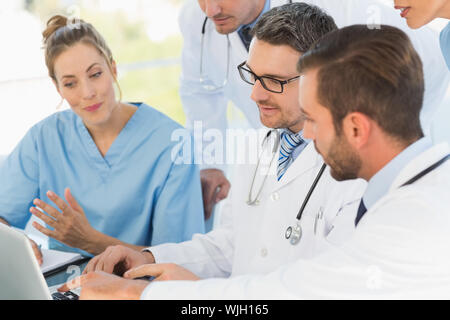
x=251 y=239
x=210 y=107
x=400 y=249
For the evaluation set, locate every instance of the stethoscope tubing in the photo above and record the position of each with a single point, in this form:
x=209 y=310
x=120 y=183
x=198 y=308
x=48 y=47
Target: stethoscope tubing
x=310 y=192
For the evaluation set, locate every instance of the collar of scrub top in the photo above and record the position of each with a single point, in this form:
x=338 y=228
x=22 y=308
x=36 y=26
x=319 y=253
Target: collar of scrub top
x=381 y=182
x=445 y=44
x=252 y=24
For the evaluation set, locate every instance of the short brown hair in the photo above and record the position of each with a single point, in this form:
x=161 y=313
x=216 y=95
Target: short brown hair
x=298 y=25
x=62 y=33
x=373 y=71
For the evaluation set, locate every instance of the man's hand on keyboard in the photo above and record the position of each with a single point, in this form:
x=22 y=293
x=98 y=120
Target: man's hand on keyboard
x=161 y=272
x=118 y=259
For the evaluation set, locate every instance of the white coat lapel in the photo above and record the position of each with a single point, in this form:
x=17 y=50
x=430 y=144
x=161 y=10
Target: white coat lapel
x=420 y=163
x=267 y=176
x=237 y=46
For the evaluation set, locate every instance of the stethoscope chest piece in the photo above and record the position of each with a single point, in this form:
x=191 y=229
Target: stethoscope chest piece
x=253 y=202
x=294 y=234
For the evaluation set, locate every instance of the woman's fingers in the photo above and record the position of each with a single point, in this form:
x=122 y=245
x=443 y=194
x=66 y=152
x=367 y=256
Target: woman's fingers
x=72 y=201
x=60 y=203
x=45 y=231
x=47 y=208
x=49 y=221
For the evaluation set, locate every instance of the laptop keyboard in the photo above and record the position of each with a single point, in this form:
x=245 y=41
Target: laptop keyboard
x=65 y=296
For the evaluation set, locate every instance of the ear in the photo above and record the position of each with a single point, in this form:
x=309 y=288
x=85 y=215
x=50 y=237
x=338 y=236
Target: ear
x=56 y=86
x=357 y=128
x=114 y=68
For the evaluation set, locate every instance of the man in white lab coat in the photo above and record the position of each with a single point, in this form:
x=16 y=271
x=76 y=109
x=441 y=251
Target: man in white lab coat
x=213 y=48
x=252 y=237
x=361 y=92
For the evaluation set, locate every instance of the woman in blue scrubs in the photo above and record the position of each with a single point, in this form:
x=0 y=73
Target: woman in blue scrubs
x=104 y=172
x=419 y=12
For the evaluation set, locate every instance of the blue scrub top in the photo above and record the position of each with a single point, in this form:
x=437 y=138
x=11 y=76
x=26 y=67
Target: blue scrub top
x=136 y=193
x=445 y=44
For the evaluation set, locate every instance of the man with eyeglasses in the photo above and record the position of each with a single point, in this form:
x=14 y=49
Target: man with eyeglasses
x=215 y=34
x=252 y=238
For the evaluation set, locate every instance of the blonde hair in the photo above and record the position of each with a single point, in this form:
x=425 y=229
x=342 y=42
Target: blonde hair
x=62 y=33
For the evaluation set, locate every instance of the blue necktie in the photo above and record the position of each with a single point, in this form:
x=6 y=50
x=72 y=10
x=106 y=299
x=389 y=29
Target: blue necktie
x=361 y=211
x=289 y=142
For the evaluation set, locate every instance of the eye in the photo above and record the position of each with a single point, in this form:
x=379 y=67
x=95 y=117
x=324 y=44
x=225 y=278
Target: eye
x=97 y=74
x=305 y=117
x=69 y=85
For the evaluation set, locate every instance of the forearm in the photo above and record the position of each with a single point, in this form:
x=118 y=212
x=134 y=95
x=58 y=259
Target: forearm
x=99 y=242
x=208 y=255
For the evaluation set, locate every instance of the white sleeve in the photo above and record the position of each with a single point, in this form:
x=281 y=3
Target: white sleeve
x=203 y=108
x=206 y=255
x=386 y=259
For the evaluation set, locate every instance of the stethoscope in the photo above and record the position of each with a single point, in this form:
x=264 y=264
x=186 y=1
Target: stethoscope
x=293 y=233
x=205 y=81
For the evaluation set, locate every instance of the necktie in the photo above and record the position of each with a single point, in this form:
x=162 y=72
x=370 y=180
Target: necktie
x=244 y=34
x=288 y=144
x=361 y=211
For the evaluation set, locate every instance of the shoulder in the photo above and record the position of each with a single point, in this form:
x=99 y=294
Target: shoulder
x=157 y=119
x=57 y=122
x=425 y=203
x=165 y=136
x=159 y=127
x=445 y=34
x=445 y=43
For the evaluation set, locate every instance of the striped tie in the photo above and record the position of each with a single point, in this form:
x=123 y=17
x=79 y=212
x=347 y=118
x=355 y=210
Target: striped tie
x=288 y=144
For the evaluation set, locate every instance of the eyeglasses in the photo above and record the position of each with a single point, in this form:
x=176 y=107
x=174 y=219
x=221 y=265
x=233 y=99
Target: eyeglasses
x=268 y=83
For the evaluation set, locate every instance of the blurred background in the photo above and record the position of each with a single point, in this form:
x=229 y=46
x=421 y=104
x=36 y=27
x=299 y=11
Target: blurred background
x=143 y=36
x=146 y=43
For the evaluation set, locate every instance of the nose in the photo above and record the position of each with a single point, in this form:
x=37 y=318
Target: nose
x=88 y=90
x=212 y=8
x=259 y=93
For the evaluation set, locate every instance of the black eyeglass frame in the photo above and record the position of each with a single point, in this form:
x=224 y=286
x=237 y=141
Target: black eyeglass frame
x=282 y=83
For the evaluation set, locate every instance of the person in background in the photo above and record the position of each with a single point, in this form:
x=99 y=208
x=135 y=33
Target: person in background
x=418 y=13
x=103 y=172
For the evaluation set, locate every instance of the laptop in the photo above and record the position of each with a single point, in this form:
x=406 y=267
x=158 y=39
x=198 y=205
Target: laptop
x=20 y=275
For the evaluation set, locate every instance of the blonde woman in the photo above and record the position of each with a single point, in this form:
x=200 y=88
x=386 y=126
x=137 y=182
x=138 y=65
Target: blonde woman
x=420 y=12
x=114 y=157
